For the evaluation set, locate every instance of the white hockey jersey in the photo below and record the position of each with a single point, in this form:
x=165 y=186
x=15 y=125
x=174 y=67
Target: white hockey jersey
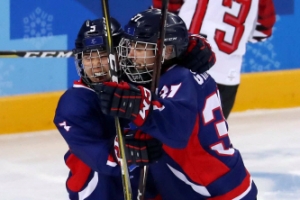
x=228 y=25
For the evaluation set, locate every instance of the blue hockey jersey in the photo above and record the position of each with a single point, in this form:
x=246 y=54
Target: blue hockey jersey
x=90 y=135
x=199 y=160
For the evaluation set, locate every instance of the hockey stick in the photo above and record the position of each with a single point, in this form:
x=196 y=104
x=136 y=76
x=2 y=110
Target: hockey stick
x=114 y=75
x=154 y=85
x=36 y=54
x=160 y=46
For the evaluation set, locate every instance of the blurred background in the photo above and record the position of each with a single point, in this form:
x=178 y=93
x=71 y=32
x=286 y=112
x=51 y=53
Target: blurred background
x=30 y=88
x=264 y=124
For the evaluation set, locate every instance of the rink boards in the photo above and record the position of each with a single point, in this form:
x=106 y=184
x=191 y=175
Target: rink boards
x=276 y=89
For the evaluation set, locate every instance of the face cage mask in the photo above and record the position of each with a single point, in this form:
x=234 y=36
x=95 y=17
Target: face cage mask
x=136 y=65
x=90 y=66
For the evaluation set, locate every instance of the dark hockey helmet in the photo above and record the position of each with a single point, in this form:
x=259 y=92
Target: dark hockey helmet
x=145 y=28
x=91 y=39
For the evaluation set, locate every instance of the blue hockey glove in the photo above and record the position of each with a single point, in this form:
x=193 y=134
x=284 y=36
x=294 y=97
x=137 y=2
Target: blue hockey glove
x=199 y=56
x=125 y=100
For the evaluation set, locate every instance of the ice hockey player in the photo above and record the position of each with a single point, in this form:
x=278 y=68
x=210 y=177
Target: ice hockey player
x=185 y=114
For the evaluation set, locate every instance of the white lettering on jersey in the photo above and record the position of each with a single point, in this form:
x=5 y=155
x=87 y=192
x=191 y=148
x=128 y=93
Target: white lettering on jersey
x=64 y=124
x=174 y=90
x=164 y=92
x=200 y=78
x=221 y=150
x=212 y=104
x=169 y=93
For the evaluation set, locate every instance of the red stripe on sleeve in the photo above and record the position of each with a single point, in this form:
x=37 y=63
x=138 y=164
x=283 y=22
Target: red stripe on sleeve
x=198 y=16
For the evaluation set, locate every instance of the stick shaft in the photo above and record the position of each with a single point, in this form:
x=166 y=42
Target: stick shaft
x=160 y=46
x=154 y=85
x=114 y=75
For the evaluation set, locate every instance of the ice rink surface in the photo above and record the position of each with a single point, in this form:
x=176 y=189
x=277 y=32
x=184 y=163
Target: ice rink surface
x=32 y=165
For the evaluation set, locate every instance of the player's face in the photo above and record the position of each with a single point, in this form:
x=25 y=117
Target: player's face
x=143 y=55
x=96 y=66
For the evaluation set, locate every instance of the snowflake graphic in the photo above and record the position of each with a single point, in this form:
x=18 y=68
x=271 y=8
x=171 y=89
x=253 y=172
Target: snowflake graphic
x=38 y=27
x=261 y=56
x=5 y=71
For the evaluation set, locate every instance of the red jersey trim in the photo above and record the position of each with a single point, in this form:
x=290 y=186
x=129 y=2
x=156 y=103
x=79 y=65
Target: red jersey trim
x=79 y=173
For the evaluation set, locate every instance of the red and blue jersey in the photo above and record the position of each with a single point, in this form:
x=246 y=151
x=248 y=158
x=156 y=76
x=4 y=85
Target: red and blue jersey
x=199 y=160
x=94 y=173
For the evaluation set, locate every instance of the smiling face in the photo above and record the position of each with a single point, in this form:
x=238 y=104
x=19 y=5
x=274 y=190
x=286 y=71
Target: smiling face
x=96 y=66
x=138 y=59
x=143 y=55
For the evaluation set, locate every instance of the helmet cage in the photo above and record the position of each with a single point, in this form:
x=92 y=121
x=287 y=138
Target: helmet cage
x=144 y=28
x=141 y=71
x=90 y=48
x=89 y=65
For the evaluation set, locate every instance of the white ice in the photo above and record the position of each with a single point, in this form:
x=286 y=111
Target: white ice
x=32 y=165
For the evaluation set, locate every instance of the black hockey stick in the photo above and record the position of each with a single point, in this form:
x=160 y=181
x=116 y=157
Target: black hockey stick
x=154 y=84
x=36 y=54
x=114 y=76
x=160 y=46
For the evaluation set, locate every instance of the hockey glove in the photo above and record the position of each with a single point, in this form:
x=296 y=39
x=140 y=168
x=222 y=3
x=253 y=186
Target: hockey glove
x=140 y=148
x=199 y=56
x=125 y=100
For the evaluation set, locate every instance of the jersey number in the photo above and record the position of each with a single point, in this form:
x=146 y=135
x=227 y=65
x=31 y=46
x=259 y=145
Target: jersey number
x=237 y=22
x=169 y=93
x=212 y=104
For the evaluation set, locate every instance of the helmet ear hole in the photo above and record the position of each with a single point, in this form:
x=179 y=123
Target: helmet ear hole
x=169 y=52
